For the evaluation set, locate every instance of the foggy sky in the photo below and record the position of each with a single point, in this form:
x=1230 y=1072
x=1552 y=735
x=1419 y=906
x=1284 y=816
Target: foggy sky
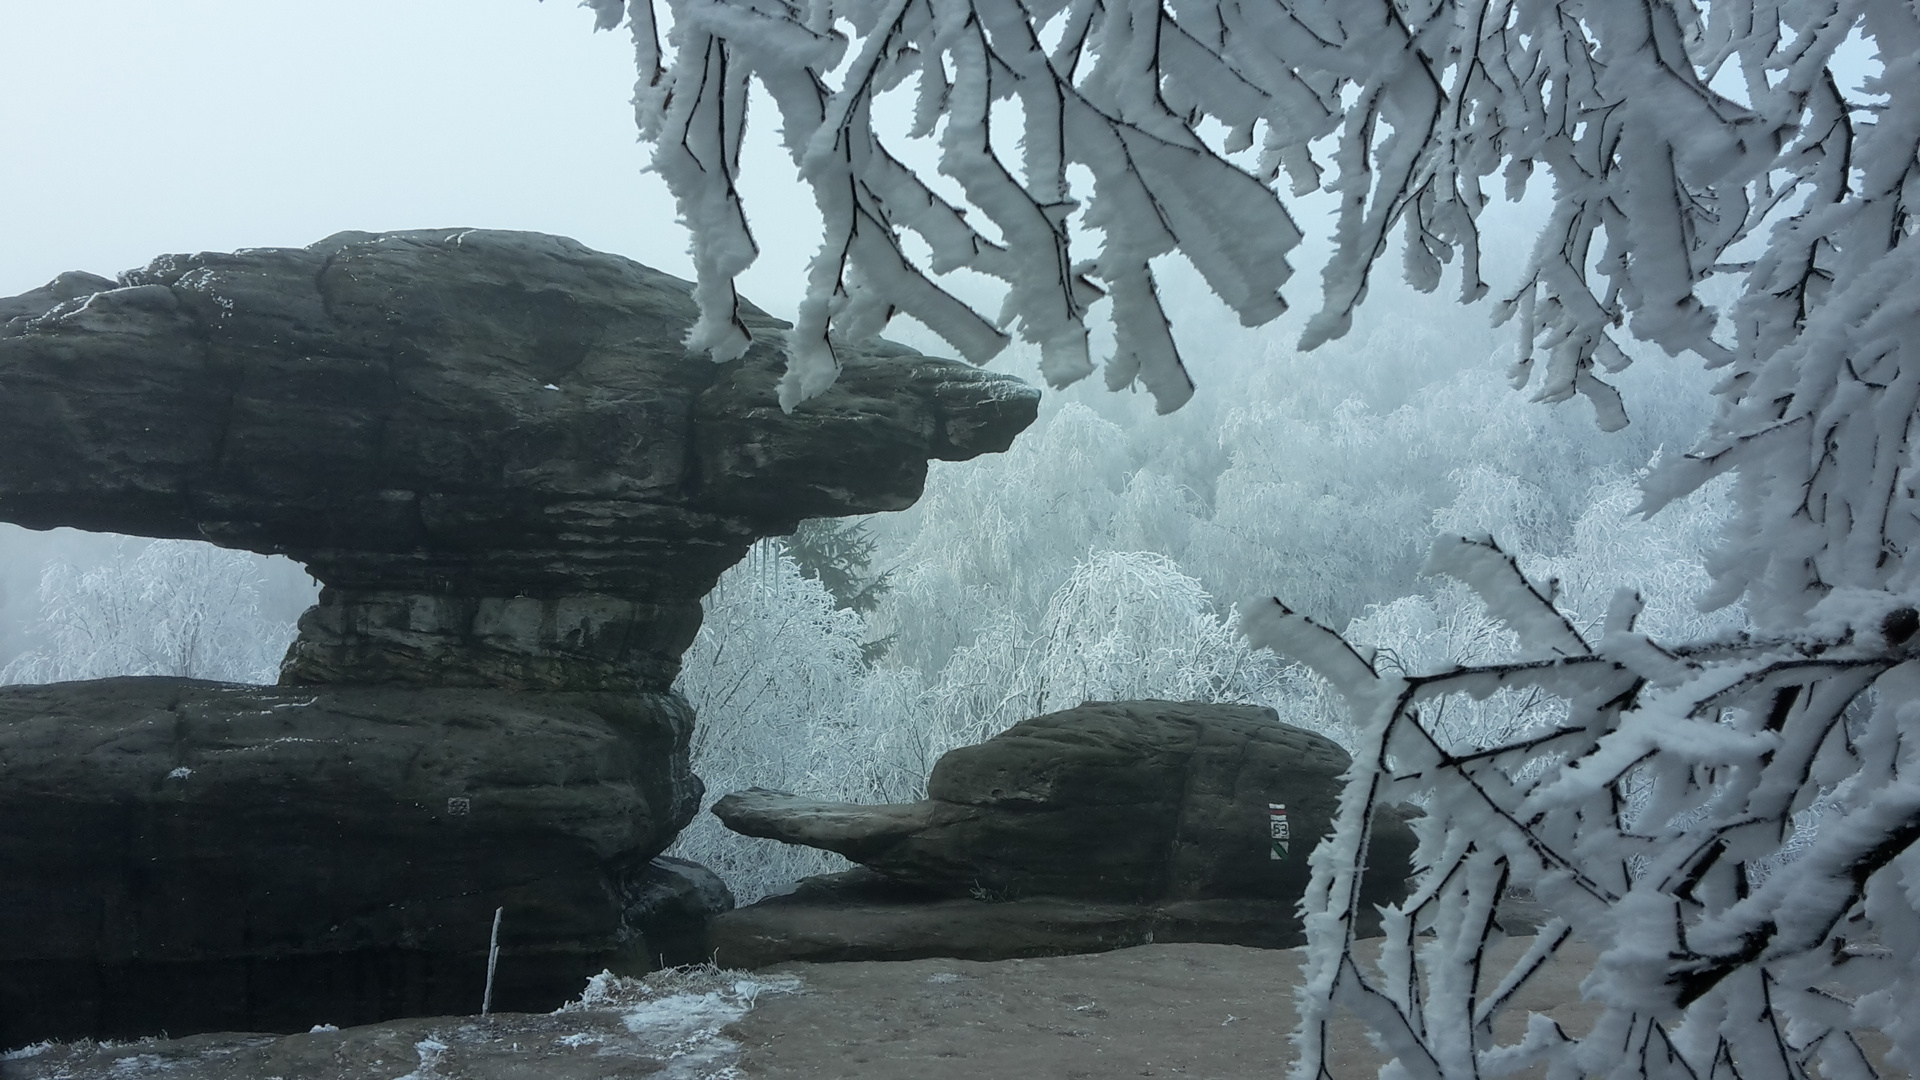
x=133 y=129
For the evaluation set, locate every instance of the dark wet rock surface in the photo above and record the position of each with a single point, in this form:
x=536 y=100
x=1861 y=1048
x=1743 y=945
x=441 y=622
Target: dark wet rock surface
x=183 y=855
x=1131 y=801
x=859 y=915
x=490 y=447
x=669 y=903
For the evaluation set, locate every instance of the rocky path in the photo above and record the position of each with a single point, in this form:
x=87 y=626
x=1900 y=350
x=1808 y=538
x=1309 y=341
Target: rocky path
x=1217 y=1011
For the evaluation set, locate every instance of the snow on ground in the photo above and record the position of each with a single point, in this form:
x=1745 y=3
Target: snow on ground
x=665 y=1026
x=681 y=1013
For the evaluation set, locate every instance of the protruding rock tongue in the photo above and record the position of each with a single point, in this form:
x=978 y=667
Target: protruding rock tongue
x=491 y=447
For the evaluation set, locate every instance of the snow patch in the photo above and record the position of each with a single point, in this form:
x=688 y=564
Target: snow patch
x=679 y=1013
x=580 y=1038
x=431 y=1050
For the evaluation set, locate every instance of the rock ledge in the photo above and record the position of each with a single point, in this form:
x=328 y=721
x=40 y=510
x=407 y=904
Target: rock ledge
x=490 y=447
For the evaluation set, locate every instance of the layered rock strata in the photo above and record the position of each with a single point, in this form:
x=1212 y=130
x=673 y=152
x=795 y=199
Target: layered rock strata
x=186 y=855
x=1113 y=822
x=861 y=915
x=1112 y=800
x=490 y=447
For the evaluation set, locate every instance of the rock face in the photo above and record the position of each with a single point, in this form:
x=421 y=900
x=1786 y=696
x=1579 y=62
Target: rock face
x=515 y=485
x=1109 y=825
x=185 y=855
x=860 y=915
x=490 y=447
x=1131 y=801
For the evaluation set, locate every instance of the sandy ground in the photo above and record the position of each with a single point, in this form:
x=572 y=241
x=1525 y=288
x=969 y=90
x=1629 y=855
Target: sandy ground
x=1160 y=1010
x=1215 y=1011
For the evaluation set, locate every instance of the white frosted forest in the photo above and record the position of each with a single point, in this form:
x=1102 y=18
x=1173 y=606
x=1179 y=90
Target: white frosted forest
x=1095 y=559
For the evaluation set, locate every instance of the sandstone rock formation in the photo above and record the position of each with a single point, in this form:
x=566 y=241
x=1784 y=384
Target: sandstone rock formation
x=1127 y=800
x=516 y=486
x=490 y=447
x=186 y=855
x=1157 y=818
x=860 y=915
x=668 y=904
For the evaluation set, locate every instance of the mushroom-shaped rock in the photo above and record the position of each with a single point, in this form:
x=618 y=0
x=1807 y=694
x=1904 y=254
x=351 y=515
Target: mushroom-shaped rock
x=490 y=447
x=1134 y=801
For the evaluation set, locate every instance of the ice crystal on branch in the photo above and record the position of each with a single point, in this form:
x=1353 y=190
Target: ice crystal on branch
x=1686 y=141
x=1156 y=185
x=1406 y=112
x=1639 y=816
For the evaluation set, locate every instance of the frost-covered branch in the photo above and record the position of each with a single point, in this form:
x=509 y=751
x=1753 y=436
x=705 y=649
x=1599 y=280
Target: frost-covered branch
x=1164 y=126
x=1685 y=141
x=1655 y=815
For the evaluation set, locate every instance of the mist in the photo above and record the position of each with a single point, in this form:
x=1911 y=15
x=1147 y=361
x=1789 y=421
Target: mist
x=217 y=126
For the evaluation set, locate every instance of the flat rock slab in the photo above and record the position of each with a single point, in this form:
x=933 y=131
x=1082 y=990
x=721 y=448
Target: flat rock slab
x=1218 y=1011
x=668 y=1026
x=858 y=916
x=1193 y=1010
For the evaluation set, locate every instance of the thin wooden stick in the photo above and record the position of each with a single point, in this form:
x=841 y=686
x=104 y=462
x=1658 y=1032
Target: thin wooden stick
x=493 y=959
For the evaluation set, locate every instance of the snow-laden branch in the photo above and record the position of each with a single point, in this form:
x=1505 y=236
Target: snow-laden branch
x=1654 y=817
x=1685 y=140
x=1183 y=115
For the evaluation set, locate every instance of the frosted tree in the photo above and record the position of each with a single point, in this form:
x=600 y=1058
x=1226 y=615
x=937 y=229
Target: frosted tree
x=786 y=701
x=1000 y=539
x=1124 y=625
x=177 y=607
x=1690 y=143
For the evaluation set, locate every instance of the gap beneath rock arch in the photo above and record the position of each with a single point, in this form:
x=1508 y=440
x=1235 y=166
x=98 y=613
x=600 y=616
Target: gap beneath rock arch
x=83 y=605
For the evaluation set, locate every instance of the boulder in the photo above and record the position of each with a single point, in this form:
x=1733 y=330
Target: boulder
x=190 y=856
x=490 y=447
x=1128 y=802
x=669 y=903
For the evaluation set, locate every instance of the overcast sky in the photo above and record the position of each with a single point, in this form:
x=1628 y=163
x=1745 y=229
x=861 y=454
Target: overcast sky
x=133 y=128
x=136 y=128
